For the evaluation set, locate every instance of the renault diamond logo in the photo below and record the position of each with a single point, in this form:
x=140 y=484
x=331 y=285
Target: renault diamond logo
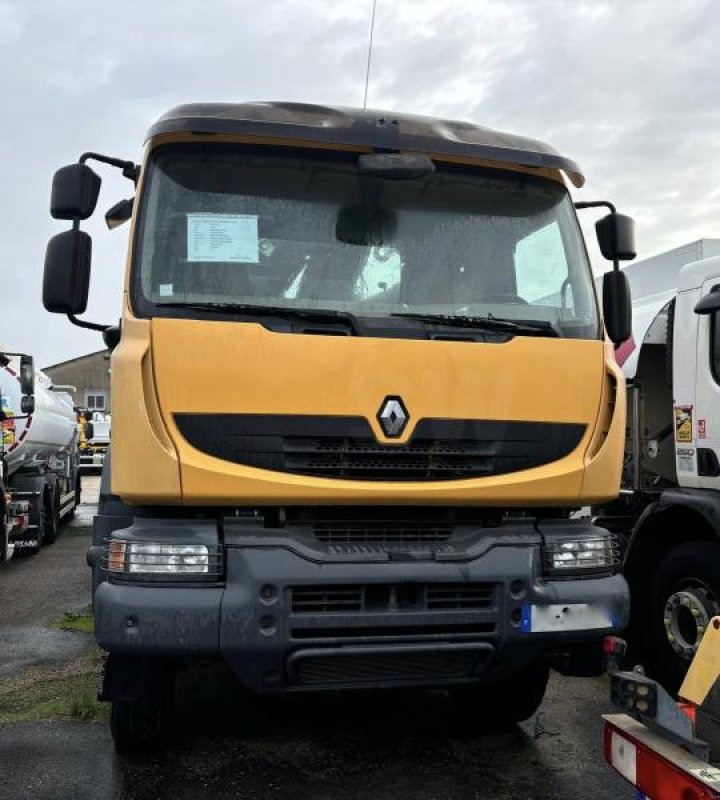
x=393 y=416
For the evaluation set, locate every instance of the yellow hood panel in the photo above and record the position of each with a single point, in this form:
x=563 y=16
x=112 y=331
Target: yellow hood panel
x=243 y=368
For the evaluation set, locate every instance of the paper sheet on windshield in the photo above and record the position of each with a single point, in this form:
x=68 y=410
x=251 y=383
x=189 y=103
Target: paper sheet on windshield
x=223 y=237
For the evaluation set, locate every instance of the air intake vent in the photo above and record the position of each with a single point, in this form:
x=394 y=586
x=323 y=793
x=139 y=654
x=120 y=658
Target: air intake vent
x=459 y=596
x=382 y=533
x=326 y=599
x=379 y=668
x=396 y=598
x=346 y=447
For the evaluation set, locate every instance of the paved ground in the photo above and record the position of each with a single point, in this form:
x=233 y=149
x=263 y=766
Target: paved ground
x=229 y=745
x=35 y=590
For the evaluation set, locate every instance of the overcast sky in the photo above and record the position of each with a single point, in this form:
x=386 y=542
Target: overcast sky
x=629 y=88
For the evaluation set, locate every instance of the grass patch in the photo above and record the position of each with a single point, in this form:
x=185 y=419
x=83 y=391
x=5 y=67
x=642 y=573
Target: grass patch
x=73 y=697
x=82 y=622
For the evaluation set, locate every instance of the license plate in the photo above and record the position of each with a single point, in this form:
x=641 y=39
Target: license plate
x=565 y=617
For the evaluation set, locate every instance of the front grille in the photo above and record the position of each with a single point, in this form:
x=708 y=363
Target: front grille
x=446 y=630
x=329 y=670
x=346 y=447
x=434 y=459
x=385 y=533
x=388 y=597
x=326 y=599
x=453 y=596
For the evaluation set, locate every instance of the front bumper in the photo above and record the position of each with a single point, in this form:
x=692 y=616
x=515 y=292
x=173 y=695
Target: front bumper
x=290 y=617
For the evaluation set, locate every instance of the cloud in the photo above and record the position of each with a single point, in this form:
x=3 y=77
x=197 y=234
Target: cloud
x=629 y=90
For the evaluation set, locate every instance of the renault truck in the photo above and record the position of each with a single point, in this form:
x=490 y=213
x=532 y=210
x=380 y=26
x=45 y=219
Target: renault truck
x=361 y=382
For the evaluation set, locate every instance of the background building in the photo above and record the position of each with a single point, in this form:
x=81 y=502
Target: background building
x=88 y=375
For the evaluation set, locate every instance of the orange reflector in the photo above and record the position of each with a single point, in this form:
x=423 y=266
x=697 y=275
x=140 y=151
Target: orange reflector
x=116 y=556
x=653 y=775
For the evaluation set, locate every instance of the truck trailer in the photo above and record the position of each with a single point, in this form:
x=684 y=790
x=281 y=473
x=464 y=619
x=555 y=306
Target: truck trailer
x=360 y=383
x=667 y=749
x=667 y=517
x=38 y=457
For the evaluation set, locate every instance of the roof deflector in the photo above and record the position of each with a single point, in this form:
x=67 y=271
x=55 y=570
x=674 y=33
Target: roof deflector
x=374 y=129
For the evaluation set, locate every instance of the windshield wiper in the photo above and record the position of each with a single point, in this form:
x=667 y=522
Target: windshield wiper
x=524 y=328
x=322 y=315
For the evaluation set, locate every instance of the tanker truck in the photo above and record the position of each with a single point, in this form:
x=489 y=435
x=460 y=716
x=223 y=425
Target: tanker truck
x=40 y=477
x=667 y=517
x=360 y=383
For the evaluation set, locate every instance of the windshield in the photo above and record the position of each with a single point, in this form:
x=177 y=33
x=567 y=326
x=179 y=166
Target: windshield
x=227 y=225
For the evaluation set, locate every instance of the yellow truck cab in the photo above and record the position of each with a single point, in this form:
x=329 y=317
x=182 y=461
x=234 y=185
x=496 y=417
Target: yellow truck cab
x=360 y=384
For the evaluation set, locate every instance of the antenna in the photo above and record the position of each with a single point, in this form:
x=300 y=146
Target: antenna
x=369 y=57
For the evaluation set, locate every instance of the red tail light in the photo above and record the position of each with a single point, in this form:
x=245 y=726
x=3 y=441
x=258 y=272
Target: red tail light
x=654 y=775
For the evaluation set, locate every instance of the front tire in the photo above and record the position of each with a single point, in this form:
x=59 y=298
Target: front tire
x=684 y=596
x=143 y=724
x=511 y=699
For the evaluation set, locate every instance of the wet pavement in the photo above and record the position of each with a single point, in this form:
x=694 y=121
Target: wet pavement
x=368 y=747
x=231 y=745
x=37 y=590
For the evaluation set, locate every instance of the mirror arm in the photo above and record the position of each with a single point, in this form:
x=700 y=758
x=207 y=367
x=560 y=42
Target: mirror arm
x=581 y=204
x=81 y=323
x=129 y=169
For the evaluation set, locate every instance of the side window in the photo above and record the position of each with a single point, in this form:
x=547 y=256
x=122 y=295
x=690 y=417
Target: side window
x=541 y=270
x=380 y=273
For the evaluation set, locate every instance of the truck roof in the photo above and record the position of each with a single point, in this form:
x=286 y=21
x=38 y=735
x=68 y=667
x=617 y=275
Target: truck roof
x=382 y=130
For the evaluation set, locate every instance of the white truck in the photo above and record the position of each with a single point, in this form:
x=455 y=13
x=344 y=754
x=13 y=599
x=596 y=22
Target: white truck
x=94 y=428
x=668 y=514
x=39 y=476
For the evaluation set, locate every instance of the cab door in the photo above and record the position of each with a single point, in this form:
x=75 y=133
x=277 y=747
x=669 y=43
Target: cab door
x=706 y=413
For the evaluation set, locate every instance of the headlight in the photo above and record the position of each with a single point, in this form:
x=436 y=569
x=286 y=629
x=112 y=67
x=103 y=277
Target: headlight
x=157 y=558
x=588 y=553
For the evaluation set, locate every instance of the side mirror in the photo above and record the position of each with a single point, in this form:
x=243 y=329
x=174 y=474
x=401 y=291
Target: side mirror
x=710 y=303
x=617 y=308
x=616 y=237
x=27 y=375
x=119 y=213
x=75 y=191
x=27 y=404
x=67 y=272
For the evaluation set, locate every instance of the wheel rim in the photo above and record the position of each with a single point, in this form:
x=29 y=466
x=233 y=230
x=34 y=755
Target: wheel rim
x=686 y=616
